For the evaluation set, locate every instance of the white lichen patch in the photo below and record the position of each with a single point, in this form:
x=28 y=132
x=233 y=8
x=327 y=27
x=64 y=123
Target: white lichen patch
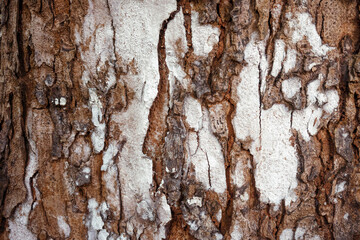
x=244 y=197
x=18 y=225
x=96 y=45
x=98 y=134
x=236 y=232
x=214 y=156
x=86 y=170
x=219 y=215
x=287 y=234
x=109 y=155
x=246 y=121
x=206 y=152
x=192 y=143
x=197 y=201
x=193 y=113
x=137 y=26
x=279 y=55
x=299 y=233
x=320 y=104
x=238 y=178
x=269 y=131
x=63 y=226
x=340 y=187
x=290 y=87
x=112 y=196
x=204 y=37
x=275 y=157
x=290 y=61
x=176 y=47
x=110 y=177
x=103 y=235
x=94 y=221
x=145 y=210
x=332 y=103
x=80 y=151
x=303 y=27
x=164 y=216
x=200 y=162
x=20 y=231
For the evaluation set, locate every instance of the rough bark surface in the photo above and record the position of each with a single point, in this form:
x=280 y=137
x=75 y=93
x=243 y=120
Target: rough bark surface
x=165 y=119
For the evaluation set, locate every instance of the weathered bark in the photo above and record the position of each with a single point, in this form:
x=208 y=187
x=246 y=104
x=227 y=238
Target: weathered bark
x=179 y=119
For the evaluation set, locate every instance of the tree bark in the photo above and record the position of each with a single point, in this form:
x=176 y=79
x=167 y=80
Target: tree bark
x=179 y=119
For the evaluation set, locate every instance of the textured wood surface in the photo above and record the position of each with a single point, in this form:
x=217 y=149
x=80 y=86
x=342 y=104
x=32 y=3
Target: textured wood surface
x=165 y=119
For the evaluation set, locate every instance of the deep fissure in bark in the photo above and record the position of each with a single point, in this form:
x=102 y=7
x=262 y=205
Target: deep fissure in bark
x=154 y=139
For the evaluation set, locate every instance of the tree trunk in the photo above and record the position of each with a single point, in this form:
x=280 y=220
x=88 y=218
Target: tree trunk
x=167 y=119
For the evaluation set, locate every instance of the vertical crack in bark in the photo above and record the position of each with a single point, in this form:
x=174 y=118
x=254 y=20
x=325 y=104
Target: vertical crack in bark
x=15 y=160
x=280 y=221
x=188 y=32
x=22 y=82
x=254 y=196
x=343 y=85
x=324 y=174
x=154 y=139
x=116 y=163
x=209 y=170
x=108 y=117
x=301 y=158
x=227 y=215
x=318 y=8
x=19 y=40
x=51 y=8
x=177 y=222
x=269 y=48
x=260 y=101
x=114 y=39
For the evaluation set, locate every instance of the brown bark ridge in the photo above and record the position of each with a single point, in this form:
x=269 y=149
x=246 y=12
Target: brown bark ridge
x=179 y=119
